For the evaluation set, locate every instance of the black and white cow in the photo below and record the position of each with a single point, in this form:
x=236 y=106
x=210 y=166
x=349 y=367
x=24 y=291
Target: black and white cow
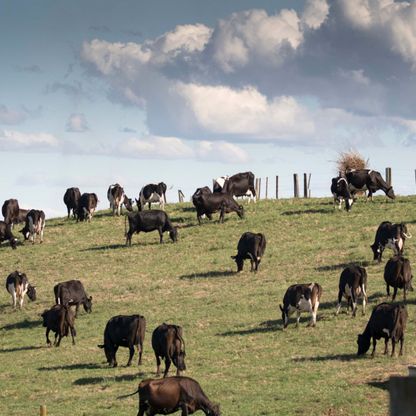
x=86 y=206
x=117 y=197
x=240 y=184
x=6 y=234
x=72 y=292
x=398 y=274
x=389 y=235
x=341 y=192
x=368 y=180
x=17 y=284
x=71 y=200
x=10 y=211
x=34 y=225
x=152 y=193
x=301 y=298
x=250 y=246
x=352 y=286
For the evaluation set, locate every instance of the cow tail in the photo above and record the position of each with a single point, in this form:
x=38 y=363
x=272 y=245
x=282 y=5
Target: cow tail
x=127 y=395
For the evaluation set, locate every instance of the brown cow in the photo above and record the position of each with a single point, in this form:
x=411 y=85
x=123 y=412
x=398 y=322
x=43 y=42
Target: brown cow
x=59 y=319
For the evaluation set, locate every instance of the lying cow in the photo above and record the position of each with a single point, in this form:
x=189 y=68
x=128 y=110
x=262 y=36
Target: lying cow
x=251 y=246
x=398 y=274
x=86 y=206
x=71 y=200
x=59 y=319
x=71 y=293
x=207 y=204
x=168 y=343
x=152 y=193
x=6 y=234
x=352 y=286
x=366 y=179
x=389 y=235
x=168 y=395
x=124 y=331
x=34 y=225
x=10 y=211
x=301 y=298
x=18 y=285
x=387 y=321
x=117 y=197
x=151 y=220
x=341 y=192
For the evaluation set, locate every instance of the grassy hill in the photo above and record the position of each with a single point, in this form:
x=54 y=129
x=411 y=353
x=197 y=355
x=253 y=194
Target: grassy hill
x=236 y=347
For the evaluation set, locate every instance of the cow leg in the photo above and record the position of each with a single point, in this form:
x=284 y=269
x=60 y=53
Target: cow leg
x=131 y=350
x=394 y=293
x=48 y=341
x=401 y=345
x=404 y=293
x=314 y=313
x=76 y=309
x=69 y=212
x=297 y=318
x=222 y=214
x=257 y=263
x=184 y=409
x=14 y=299
x=354 y=303
x=160 y=235
x=128 y=238
x=388 y=290
x=140 y=352
x=167 y=366
x=22 y=296
x=374 y=347
x=57 y=344
x=339 y=302
x=157 y=365
x=393 y=346
x=252 y=265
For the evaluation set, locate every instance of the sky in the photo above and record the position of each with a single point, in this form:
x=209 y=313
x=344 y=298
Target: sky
x=95 y=92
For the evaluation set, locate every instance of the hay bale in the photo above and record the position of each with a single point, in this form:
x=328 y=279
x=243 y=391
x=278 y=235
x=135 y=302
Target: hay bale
x=351 y=160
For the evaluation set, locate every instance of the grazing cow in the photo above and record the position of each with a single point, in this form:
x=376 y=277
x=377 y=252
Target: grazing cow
x=168 y=395
x=10 y=211
x=240 y=184
x=398 y=274
x=124 y=331
x=168 y=343
x=117 y=197
x=151 y=220
x=387 y=321
x=341 y=192
x=366 y=179
x=59 y=319
x=250 y=246
x=34 y=225
x=353 y=285
x=207 y=204
x=389 y=235
x=71 y=200
x=72 y=292
x=152 y=193
x=301 y=298
x=86 y=206
x=6 y=234
x=18 y=285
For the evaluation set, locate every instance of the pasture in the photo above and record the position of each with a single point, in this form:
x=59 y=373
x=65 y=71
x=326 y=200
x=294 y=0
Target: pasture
x=235 y=344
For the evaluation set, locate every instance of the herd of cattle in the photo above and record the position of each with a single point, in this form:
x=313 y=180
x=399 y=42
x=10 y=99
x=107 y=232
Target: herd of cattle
x=167 y=395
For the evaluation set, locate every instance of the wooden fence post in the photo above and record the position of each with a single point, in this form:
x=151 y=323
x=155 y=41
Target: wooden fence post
x=295 y=185
x=256 y=187
x=267 y=186
x=305 y=185
x=388 y=176
x=277 y=186
x=309 y=185
x=259 y=187
x=43 y=411
x=181 y=196
x=402 y=397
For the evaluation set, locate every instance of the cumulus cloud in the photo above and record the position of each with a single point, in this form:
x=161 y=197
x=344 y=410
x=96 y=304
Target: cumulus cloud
x=315 y=13
x=16 y=140
x=77 y=123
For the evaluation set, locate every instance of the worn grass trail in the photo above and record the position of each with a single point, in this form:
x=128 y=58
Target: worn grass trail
x=236 y=347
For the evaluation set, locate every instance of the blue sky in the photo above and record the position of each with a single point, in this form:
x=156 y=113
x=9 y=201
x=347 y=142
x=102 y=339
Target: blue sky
x=94 y=92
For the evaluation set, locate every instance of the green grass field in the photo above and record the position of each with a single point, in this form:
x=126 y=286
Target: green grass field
x=236 y=347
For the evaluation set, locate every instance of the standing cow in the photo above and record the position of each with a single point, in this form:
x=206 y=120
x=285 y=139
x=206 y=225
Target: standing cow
x=240 y=184
x=18 y=285
x=6 y=234
x=341 y=192
x=86 y=206
x=152 y=193
x=71 y=293
x=71 y=200
x=61 y=320
x=124 y=331
x=250 y=246
x=117 y=197
x=366 y=179
x=10 y=211
x=34 y=225
x=398 y=274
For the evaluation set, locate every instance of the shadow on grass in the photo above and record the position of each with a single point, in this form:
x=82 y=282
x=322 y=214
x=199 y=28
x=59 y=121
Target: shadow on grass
x=97 y=380
x=22 y=325
x=266 y=326
x=26 y=348
x=85 y=366
x=307 y=211
x=383 y=385
x=335 y=357
x=207 y=275
x=106 y=247
x=341 y=266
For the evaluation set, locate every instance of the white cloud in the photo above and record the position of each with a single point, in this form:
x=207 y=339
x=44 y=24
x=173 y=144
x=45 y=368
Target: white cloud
x=77 y=123
x=9 y=116
x=221 y=151
x=15 y=140
x=355 y=75
x=315 y=13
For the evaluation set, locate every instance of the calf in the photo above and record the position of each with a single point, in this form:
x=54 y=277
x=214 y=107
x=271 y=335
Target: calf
x=398 y=274
x=389 y=235
x=168 y=395
x=301 y=298
x=6 y=234
x=71 y=200
x=168 y=343
x=34 y=225
x=59 y=319
x=10 y=211
x=251 y=246
x=124 y=331
x=152 y=193
x=86 y=206
x=117 y=197
x=387 y=321
x=72 y=292
x=18 y=285
x=147 y=221
x=353 y=285
x=341 y=192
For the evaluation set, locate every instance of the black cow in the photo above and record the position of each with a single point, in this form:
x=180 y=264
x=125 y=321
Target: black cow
x=86 y=206
x=301 y=298
x=389 y=235
x=168 y=343
x=250 y=246
x=71 y=200
x=207 y=204
x=34 y=225
x=22 y=215
x=387 y=321
x=6 y=234
x=366 y=179
x=117 y=197
x=61 y=320
x=341 y=192
x=240 y=184
x=352 y=286
x=10 y=211
x=72 y=292
x=168 y=395
x=151 y=220
x=398 y=274
x=152 y=193
x=124 y=331
x=17 y=284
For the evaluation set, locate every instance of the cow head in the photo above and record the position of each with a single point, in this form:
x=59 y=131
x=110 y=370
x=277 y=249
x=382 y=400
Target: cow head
x=88 y=304
x=240 y=211
x=13 y=243
x=138 y=203
x=377 y=251
x=179 y=361
x=173 y=234
x=31 y=292
x=214 y=410
x=25 y=232
x=285 y=316
x=409 y=284
x=390 y=193
x=239 y=261
x=363 y=344
x=403 y=231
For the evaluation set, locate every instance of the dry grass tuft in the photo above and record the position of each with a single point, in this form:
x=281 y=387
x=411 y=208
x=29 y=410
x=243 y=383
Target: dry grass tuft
x=351 y=160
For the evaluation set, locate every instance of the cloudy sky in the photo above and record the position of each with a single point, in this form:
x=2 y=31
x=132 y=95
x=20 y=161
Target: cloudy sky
x=98 y=91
